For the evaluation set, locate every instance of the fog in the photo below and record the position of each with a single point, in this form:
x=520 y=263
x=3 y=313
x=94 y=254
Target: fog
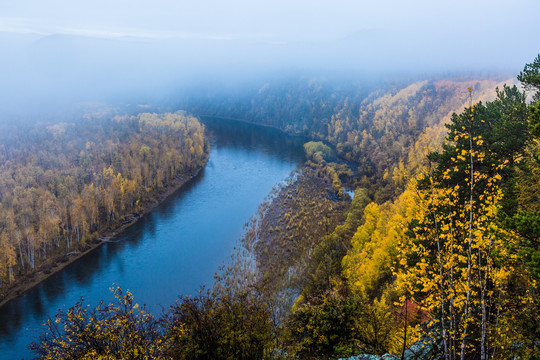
x=57 y=55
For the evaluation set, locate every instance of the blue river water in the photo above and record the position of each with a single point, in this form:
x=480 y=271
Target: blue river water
x=175 y=249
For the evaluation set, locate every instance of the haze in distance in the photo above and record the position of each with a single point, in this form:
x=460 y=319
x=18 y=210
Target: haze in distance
x=59 y=53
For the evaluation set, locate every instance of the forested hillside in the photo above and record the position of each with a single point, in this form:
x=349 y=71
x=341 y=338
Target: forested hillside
x=453 y=260
x=64 y=184
x=435 y=257
x=375 y=127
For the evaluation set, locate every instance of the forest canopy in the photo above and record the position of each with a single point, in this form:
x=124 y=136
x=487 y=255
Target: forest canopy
x=62 y=185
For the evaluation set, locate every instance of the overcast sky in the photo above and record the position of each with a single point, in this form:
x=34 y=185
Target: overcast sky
x=274 y=20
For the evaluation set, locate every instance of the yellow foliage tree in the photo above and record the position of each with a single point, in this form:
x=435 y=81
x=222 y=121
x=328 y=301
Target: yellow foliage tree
x=367 y=266
x=456 y=263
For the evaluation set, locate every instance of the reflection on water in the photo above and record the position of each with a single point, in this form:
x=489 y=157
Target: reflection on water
x=178 y=247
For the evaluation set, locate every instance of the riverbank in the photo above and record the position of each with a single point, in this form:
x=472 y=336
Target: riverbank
x=58 y=263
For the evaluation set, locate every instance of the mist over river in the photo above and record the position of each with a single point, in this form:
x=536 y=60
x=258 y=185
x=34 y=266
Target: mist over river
x=175 y=249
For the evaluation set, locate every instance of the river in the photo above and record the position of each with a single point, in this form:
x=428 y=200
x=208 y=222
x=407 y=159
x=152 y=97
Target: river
x=175 y=249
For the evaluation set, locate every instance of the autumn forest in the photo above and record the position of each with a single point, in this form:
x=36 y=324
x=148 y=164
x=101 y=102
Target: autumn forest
x=411 y=229
x=63 y=185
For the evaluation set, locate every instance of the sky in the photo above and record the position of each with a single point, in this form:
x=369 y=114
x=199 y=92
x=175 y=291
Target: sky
x=275 y=20
x=56 y=46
